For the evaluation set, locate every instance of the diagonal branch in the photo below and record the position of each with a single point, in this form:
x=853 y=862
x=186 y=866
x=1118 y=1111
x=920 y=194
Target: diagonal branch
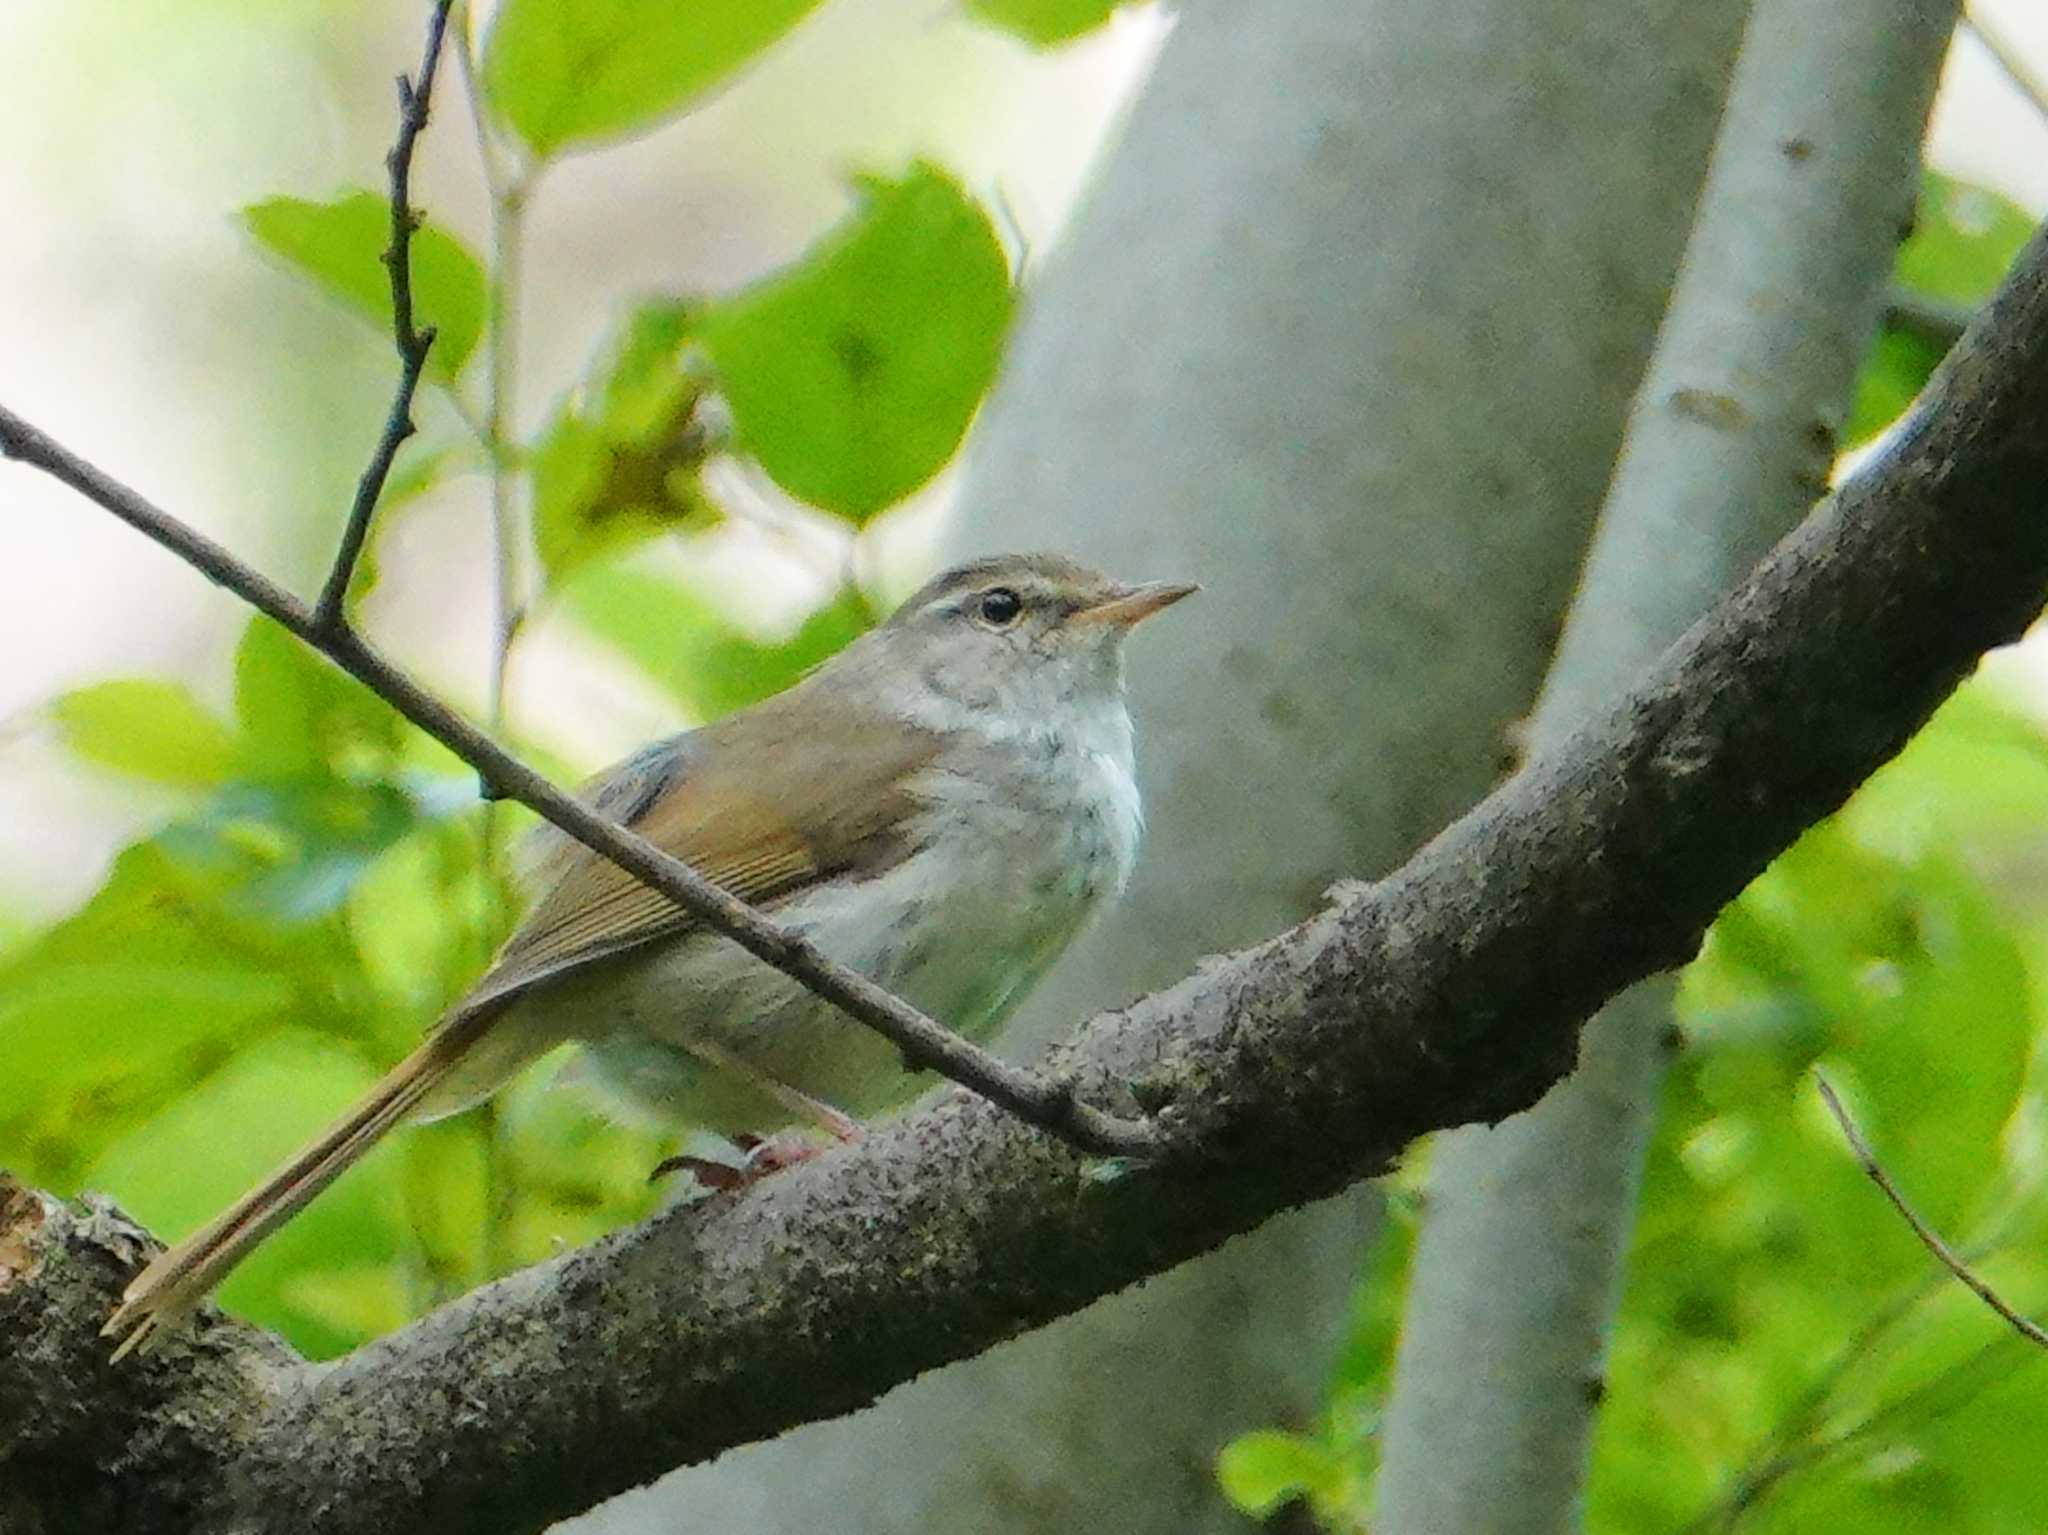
x=1048 y=1104
x=1450 y=991
x=414 y=102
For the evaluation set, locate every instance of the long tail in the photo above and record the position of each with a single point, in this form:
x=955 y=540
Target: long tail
x=181 y=1277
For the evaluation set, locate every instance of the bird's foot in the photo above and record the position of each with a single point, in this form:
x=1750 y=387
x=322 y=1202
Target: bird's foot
x=760 y=1156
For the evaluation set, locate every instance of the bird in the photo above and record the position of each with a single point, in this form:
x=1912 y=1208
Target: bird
x=943 y=806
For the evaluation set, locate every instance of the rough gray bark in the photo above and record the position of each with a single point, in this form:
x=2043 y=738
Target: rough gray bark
x=1449 y=991
x=1497 y=1384
x=1256 y=360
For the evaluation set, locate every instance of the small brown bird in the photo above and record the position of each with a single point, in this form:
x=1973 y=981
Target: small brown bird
x=940 y=806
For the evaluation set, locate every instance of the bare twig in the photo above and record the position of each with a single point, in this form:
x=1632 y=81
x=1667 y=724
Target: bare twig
x=489 y=155
x=1929 y=1237
x=509 y=177
x=1048 y=1104
x=508 y=615
x=414 y=102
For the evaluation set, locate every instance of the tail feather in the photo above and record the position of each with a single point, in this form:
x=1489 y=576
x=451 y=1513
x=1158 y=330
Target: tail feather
x=181 y=1277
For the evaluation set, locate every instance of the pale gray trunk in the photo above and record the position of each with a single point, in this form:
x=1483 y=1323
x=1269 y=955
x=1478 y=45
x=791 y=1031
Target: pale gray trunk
x=1516 y=1275
x=1347 y=332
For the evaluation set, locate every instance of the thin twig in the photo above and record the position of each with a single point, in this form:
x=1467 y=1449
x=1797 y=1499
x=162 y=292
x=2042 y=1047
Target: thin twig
x=2010 y=61
x=1790 y=1444
x=488 y=153
x=414 y=103
x=1048 y=1104
x=509 y=178
x=465 y=412
x=490 y=157
x=1929 y=1238
x=508 y=223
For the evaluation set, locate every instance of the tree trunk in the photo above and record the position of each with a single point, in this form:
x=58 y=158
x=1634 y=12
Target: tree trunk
x=1347 y=332
x=1497 y=1383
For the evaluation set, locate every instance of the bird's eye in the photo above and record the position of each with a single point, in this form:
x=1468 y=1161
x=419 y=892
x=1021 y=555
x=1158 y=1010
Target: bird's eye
x=998 y=607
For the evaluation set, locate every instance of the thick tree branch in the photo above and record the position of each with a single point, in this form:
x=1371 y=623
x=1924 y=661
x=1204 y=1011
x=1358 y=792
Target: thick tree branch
x=1450 y=991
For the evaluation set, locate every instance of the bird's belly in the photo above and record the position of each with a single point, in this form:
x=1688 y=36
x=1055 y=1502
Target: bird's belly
x=961 y=937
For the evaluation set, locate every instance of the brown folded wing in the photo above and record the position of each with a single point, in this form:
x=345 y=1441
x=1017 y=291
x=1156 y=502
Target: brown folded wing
x=748 y=803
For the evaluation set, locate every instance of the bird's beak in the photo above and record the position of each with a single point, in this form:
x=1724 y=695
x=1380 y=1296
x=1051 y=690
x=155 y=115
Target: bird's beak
x=1135 y=603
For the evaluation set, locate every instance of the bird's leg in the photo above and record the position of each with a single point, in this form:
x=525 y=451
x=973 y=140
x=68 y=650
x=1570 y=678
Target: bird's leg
x=763 y=1154
x=840 y=1126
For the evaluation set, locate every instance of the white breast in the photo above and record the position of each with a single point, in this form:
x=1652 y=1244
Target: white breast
x=1017 y=846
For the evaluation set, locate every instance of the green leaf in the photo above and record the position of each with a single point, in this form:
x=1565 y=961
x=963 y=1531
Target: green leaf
x=619 y=462
x=340 y=246
x=1941 y=1059
x=118 y=1006
x=147 y=729
x=853 y=375
x=692 y=650
x=1261 y=1470
x=356 y=1301
x=448 y=1196
x=1964 y=239
x=92 y=1048
x=191 y=1161
x=291 y=851
x=563 y=74
x=1897 y=369
x=1044 y=23
x=301 y=713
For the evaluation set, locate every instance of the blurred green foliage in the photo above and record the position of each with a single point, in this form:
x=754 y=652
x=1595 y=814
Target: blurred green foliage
x=566 y=77
x=850 y=378
x=1963 y=239
x=562 y=76
x=619 y=460
x=699 y=659
x=340 y=245
x=1044 y=23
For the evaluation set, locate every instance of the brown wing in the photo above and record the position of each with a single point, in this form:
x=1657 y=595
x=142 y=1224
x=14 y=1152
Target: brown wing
x=758 y=803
